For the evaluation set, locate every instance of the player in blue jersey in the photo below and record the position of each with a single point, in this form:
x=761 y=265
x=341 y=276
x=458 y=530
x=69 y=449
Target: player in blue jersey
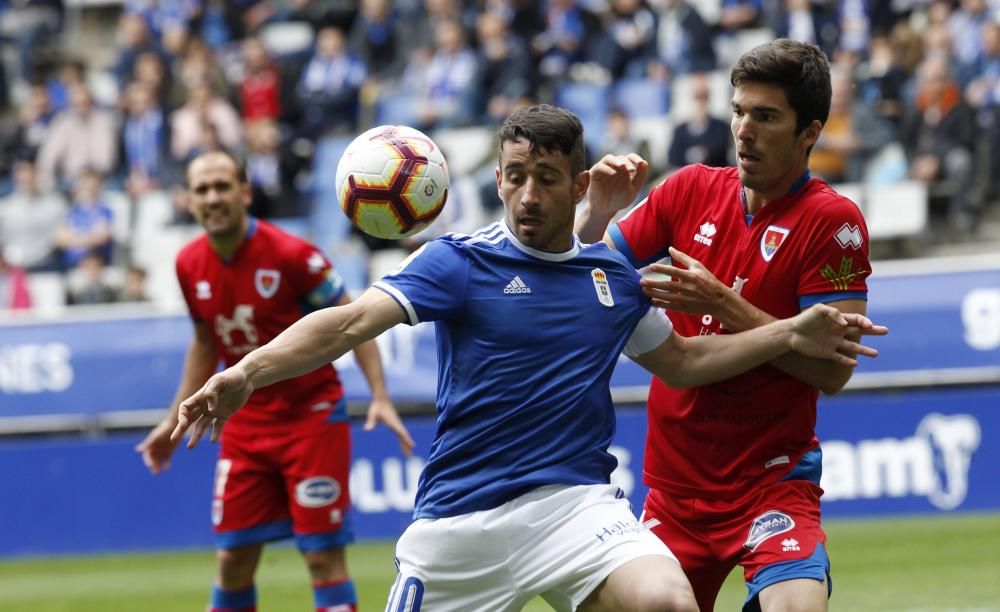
x=515 y=501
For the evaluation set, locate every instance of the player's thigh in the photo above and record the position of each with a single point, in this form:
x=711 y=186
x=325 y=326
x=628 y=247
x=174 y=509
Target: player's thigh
x=702 y=546
x=798 y=595
x=785 y=549
x=453 y=564
x=248 y=502
x=646 y=583
x=582 y=535
x=315 y=464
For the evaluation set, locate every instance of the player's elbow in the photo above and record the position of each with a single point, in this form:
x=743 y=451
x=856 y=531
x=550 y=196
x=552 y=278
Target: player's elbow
x=834 y=384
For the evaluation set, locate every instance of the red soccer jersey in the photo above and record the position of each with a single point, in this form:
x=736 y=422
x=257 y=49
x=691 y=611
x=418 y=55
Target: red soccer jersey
x=272 y=280
x=807 y=247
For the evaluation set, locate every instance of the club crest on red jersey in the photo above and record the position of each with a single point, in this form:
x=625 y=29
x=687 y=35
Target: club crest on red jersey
x=266 y=282
x=771 y=240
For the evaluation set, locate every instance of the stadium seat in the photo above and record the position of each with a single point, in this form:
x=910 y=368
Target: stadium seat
x=658 y=132
x=897 y=210
x=48 y=293
x=465 y=149
x=287 y=37
x=121 y=216
x=642 y=97
x=396 y=107
x=590 y=102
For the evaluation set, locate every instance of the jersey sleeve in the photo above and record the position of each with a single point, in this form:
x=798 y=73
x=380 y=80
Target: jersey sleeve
x=653 y=330
x=645 y=233
x=313 y=277
x=430 y=284
x=835 y=264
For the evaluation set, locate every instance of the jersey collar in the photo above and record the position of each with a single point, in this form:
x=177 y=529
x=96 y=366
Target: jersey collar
x=792 y=191
x=545 y=255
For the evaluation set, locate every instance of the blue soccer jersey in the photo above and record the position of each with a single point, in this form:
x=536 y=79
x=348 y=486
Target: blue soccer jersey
x=527 y=341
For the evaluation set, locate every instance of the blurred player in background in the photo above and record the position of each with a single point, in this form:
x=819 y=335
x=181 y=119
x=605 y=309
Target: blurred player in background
x=515 y=499
x=284 y=461
x=734 y=467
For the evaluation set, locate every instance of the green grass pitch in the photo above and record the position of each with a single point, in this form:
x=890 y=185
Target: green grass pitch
x=925 y=564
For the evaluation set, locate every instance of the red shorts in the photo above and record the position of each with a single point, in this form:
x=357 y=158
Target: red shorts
x=773 y=532
x=272 y=485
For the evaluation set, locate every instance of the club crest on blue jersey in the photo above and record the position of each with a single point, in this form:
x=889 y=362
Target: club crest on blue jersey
x=767 y=525
x=602 y=287
x=267 y=282
x=771 y=240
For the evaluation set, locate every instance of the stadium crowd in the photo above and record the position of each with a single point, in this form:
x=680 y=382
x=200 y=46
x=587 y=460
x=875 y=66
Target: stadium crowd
x=91 y=149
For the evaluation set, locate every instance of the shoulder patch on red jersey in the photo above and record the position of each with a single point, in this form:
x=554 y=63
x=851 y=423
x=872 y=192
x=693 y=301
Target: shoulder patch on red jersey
x=849 y=236
x=773 y=236
x=842 y=276
x=267 y=282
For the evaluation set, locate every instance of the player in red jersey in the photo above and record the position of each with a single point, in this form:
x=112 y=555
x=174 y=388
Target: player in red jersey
x=284 y=461
x=733 y=468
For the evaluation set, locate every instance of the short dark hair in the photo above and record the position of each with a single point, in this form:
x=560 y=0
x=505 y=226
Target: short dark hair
x=548 y=128
x=800 y=69
x=241 y=165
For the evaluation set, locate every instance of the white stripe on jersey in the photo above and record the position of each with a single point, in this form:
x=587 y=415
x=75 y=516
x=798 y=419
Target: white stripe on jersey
x=485 y=231
x=402 y=299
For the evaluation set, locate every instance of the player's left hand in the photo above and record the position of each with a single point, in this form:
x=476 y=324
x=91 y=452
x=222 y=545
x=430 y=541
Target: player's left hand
x=382 y=411
x=212 y=405
x=691 y=289
x=822 y=331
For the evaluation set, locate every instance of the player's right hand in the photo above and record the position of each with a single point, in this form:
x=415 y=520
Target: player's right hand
x=615 y=181
x=212 y=405
x=157 y=448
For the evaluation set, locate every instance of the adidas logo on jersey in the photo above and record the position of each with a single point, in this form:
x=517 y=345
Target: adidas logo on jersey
x=516 y=286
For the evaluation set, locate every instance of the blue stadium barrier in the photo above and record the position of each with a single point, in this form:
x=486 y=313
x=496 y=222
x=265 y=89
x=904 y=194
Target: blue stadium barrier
x=916 y=452
x=640 y=98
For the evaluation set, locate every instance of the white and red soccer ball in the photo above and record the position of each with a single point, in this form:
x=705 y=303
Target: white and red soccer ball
x=392 y=181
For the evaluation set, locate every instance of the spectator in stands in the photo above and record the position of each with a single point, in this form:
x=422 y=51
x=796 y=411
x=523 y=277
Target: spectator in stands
x=151 y=70
x=23 y=137
x=381 y=39
x=260 y=88
x=442 y=80
x=28 y=221
x=620 y=139
x=144 y=139
x=86 y=283
x=133 y=287
x=81 y=137
x=562 y=40
x=883 y=79
x=854 y=21
x=937 y=135
x=740 y=14
x=505 y=72
x=203 y=108
x=133 y=39
x=269 y=172
x=851 y=135
x=87 y=227
x=14 y=292
x=702 y=139
x=327 y=93
x=628 y=44
x=983 y=90
x=809 y=22
x=965 y=26
x=69 y=73
x=683 y=40
x=197 y=65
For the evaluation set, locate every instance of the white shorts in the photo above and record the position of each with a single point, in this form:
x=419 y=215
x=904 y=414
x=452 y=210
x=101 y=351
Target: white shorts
x=559 y=542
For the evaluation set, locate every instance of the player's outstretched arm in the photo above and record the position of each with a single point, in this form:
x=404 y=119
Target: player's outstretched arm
x=693 y=289
x=313 y=341
x=615 y=181
x=820 y=331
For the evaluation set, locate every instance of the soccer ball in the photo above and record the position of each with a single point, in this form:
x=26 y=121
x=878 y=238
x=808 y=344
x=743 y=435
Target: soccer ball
x=392 y=181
